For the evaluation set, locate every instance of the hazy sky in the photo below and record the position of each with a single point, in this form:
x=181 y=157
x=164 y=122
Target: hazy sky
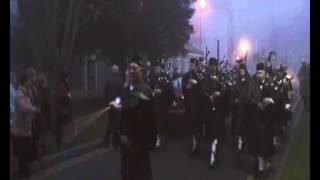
x=280 y=25
x=283 y=26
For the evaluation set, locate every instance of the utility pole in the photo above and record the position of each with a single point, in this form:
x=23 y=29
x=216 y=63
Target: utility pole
x=218 y=50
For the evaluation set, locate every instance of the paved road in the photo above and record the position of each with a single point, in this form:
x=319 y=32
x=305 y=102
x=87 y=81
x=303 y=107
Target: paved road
x=173 y=163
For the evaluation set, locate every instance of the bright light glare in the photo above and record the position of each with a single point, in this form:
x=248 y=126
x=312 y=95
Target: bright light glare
x=244 y=46
x=202 y=4
x=118 y=100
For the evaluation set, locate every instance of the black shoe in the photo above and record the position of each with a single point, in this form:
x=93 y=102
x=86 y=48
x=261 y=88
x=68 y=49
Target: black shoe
x=157 y=148
x=212 y=166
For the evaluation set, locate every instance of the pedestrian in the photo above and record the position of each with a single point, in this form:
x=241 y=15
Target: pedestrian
x=147 y=72
x=33 y=93
x=45 y=106
x=64 y=123
x=23 y=144
x=12 y=109
x=191 y=87
x=12 y=98
x=304 y=78
x=112 y=90
x=137 y=131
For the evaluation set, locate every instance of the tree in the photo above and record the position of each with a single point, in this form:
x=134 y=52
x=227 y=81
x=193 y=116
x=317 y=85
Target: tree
x=129 y=27
x=51 y=32
x=48 y=29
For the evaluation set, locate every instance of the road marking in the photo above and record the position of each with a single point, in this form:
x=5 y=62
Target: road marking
x=69 y=163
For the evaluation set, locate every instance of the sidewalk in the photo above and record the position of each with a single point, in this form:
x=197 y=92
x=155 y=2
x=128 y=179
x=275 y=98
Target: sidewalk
x=70 y=150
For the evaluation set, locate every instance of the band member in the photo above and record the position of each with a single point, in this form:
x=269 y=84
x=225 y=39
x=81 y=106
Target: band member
x=201 y=72
x=260 y=126
x=283 y=90
x=147 y=73
x=213 y=90
x=137 y=130
x=164 y=95
x=191 y=88
x=242 y=98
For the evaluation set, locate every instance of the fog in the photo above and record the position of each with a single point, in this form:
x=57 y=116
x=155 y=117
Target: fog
x=279 y=25
x=282 y=26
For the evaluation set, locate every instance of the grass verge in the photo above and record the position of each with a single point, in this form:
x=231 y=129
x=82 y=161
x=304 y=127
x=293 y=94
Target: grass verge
x=297 y=165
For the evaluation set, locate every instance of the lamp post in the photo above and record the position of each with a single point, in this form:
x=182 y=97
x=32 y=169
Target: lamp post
x=202 y=4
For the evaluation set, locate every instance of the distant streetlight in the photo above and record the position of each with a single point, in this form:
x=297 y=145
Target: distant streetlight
x=202 y=4
x=244 y=46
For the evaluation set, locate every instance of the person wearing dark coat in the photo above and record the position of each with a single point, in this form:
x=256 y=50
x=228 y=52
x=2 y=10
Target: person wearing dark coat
x=137 y=130
x=113 y=88
x=164 y=95
x=304 y=79
x=283 y=90
x=37 y=123
x=242 y=92
x=44 y=101
x=213 y=91
x=64 y=124
x=147 y=72
x=191 y=88
x=45 y=104
x=260 y=126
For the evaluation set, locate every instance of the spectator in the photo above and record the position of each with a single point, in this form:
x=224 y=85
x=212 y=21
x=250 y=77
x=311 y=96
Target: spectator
x=25 y=112
x=12 y=98
x=304 y=78
x=64 y=125
x=45 y=106
x=44 y=100
x=33 y=94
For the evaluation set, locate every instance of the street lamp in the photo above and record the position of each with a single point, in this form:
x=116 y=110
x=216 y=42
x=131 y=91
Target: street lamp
x=244 y=47
x=202 y=6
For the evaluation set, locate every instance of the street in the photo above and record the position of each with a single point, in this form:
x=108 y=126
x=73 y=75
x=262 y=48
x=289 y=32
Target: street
x=174 y=162
x=171 y=163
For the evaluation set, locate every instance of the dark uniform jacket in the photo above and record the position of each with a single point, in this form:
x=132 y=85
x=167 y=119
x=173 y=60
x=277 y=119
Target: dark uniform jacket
x=260 y=129
x=192 y=95
x=137 y=116
x=242 y=91
x=212 y=83
x=163 y=82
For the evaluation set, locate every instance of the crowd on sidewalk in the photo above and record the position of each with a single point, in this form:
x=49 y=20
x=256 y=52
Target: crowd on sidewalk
x=36 y=109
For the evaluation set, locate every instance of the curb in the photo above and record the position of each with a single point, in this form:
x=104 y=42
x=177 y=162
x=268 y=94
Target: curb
x=65 y=156
x=68 y=154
